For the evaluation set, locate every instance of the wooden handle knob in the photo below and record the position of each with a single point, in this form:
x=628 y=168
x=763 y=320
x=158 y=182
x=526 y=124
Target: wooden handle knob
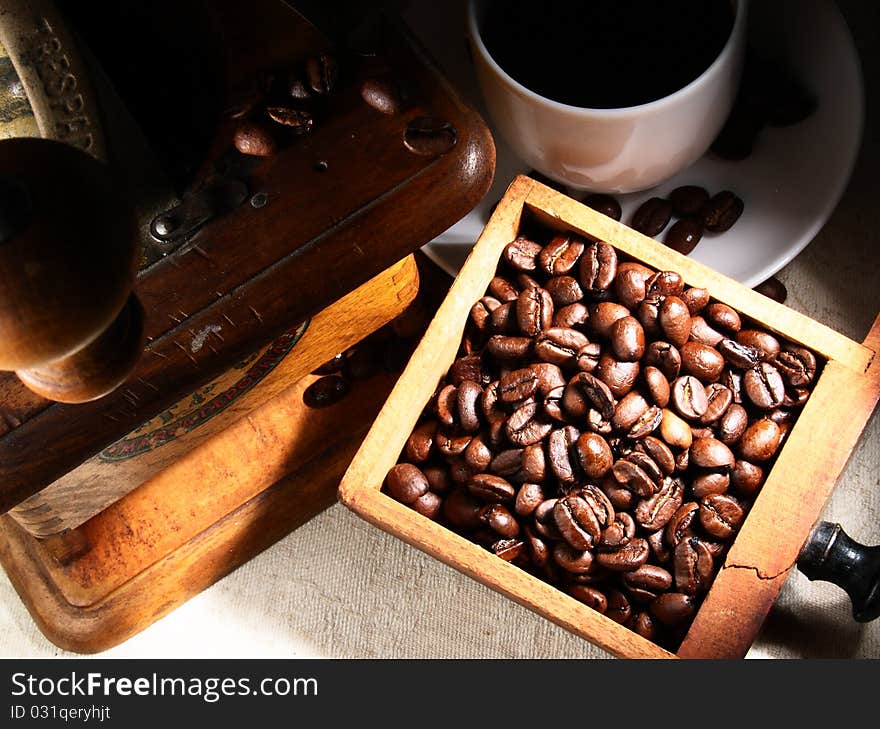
x=67 y=256
x=830 y=555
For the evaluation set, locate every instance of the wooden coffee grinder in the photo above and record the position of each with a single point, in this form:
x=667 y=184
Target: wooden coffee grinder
x=164 y=296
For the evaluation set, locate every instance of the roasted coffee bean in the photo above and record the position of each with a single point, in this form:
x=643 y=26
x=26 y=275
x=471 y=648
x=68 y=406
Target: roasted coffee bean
x=627 y=339
x=508 y=549
x=438 y=478
x=502 y=320
x=633 y=477
x=573 y=315
x=764 y=342
x=654 y=512
x=534 y=311
x=446 y=405
x=652 y=216
x=675 y=431
x=774 y=289
x=593 y=455
x=703 y=362
x=508 y=348
x=619 y=376
x=524 y=427
x=648 y=422
x=560 y=346
x=428 y=505
x=599 y=504
x=664 y=283
x=467 y=397
x=721 y=515
x=331 y=366
x=658 y=386
x=254 y=139
x=760 y=441
x=481 y=312
x=537 y=547
x=549 y=376
x=564 y=290
x=682 y=523
x=588 y=357
x=421 y=442
x=648 y=578
x=577 y=523
x=628 y=558
x=322 y=71
x=643 y=624
x=619 y=608
x=477 y=455
x=646 y=463
x=720 y=399
x=534 y=463
x=603 y=315
x=503 y=290
x=732 y=424
x=528 y=498
x=296 y=121
x=507 y=463
x=689 y=397
x=598 y=266
x=560 y=255
x=469 y=368
x=693 y=566
x=597 y=392
x=682 y=461
x=383 y=94
x=739 y=355
x=518 y=385
x=460 y=471
x=325 y=391
x=631 y=284
x=665 y=358
x=797 y=365
x=733 y=381
x=499 y=520
x=696 y=299
x=648 y=315
x=675 y=320
x=687 y=200
x=709 y=482
x=746 y=478
x=723 y=317
x=590 y=596
x=559 y=446
x=659 y=453
x=572 y=560
x=763 y=386
x=704 y=334
x=673 y=608
x=451 y=442
x=618 y=533
x=522 y=253
x=488 y=487
x=630 y=408
x=604 y=204
x=683 y=235
x=721 y=211
x=429 y=137
x=406 y=483
x=711 y=453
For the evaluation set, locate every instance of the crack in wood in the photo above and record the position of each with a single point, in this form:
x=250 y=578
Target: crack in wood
x=761 y=575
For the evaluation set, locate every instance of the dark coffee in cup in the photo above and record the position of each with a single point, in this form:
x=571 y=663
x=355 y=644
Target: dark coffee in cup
x=604 y=54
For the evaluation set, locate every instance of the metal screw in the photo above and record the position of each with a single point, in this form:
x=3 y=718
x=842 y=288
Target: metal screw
x=165 y=225
x=259 y=199
x=321 y=166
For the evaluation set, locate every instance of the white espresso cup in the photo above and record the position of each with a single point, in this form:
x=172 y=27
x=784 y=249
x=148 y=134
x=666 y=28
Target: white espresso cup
x=610 y=150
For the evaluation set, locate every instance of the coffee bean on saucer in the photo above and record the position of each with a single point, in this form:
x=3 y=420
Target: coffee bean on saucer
x=687 y=200
x=604 y=204
x=325 y=391
x=429 y=136
x=254 y=139
x=774 y=289
x=652 y=216
x=721 y=211
x=322 y=72
x=684 y=235
x=383 y=94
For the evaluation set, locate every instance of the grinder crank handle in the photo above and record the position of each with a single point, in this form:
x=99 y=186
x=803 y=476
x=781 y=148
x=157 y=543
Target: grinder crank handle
x=829 y=554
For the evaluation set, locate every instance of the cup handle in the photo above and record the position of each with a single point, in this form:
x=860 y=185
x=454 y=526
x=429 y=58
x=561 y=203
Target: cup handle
x=829 y=554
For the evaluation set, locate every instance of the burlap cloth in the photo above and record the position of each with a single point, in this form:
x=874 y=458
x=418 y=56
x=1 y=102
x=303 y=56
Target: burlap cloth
x=338 y=587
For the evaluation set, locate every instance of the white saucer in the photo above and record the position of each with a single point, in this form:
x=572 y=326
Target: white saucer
x=790 y=183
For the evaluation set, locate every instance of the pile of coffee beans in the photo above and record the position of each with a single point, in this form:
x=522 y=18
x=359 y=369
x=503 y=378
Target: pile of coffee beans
x=275 y=107
x=605 y=427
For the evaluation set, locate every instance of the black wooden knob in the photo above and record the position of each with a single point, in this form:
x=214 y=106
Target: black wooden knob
x=830 y=555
